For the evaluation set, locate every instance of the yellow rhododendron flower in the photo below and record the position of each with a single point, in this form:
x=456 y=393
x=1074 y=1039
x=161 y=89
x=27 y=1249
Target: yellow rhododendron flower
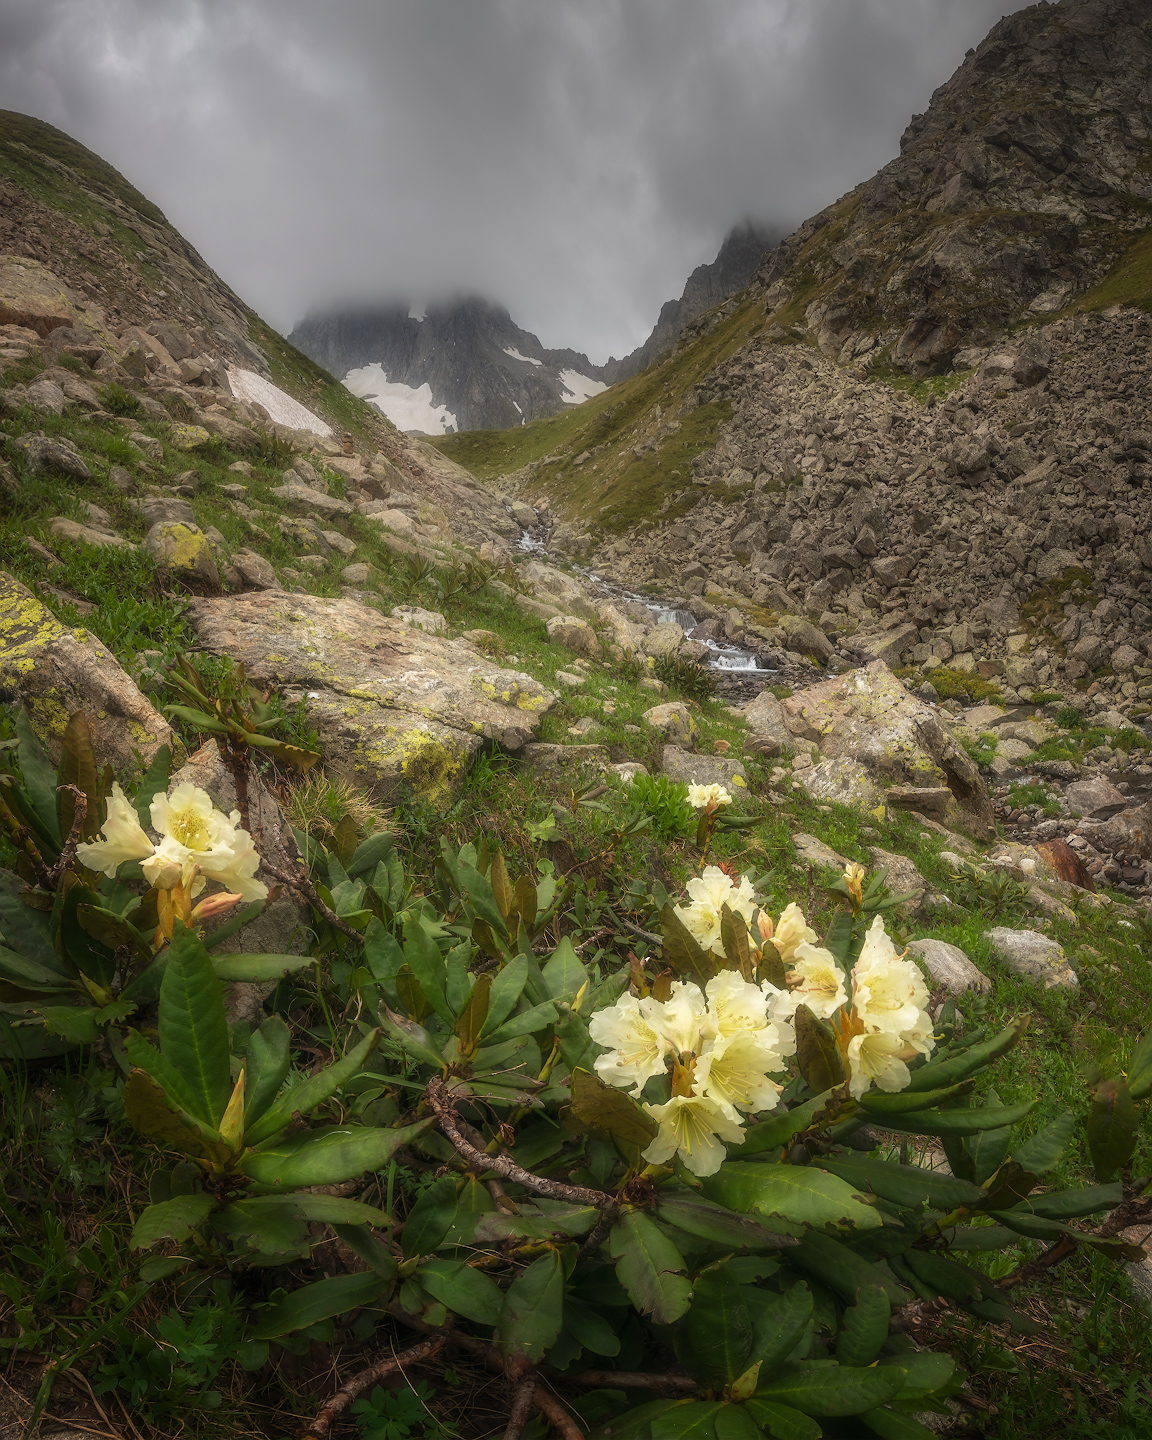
x=888 y=993
x=705 y=797
x=709 y=893
x=630 y=1031
x=693 y=1128
x=816 y=981
x=734 y=1071
x=877 y=1058
x=124 y=838
x=792 y=930
x=198 y=837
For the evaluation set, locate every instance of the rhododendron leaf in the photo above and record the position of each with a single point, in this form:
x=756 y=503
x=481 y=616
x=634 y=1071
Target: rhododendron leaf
x=904 y=1185
x=734 y=936
x=782 y=1422
x=714 y=1339
x=864 y=1327
x=683 y=951
x=532 y=1312
x=600 y=1107
x=649 y=1267
x=958 y=1067
x=817 y=1054
x=1112 y=1128
x=829 y=1390
x=959 y=1122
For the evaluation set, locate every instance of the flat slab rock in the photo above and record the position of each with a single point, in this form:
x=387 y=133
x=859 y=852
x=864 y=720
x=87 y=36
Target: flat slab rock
x=1033 y=956
x=816 y=852
x=563 y=759
x=949 y=967
x=682 y=765
x=399 y=711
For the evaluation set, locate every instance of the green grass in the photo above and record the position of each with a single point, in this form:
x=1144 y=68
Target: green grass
x=1022 y=795
x=1129 y=282
x=960 y=685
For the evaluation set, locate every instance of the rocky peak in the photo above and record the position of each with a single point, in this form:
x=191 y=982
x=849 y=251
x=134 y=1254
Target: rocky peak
x=1013 y=194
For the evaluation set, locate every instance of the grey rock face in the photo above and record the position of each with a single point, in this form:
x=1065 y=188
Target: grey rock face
x=682 y=765
x=949 y=967
x=1096 y=799
x=1032 y=956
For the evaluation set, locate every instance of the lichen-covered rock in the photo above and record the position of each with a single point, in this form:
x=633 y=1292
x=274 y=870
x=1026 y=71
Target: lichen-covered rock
x=674 y=721
x=255 y=572
x=45 y=457
x=31 y=296
x=399 y=712
x=1095 y=799
x=576 y=634
x=682 y=765
x=844 y=782
x=1033 y=956
x=430 y=620
x=815 y=852
x=949 y=967
x=300 y=494
x=559 y=761
x=188 y=437
x=663 y=640
x=765 y=720
x=868 y=715
x=183 y=551
x=54 y=671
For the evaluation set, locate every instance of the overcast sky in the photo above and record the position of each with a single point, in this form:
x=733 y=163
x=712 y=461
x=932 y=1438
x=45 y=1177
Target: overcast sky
x=571 y=159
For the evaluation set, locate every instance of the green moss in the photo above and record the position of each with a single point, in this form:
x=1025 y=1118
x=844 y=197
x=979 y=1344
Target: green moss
x=957 y=684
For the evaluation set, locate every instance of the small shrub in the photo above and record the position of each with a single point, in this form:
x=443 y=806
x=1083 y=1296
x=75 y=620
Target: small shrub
x=318 y=806
x=697 y=682
x=956 y=684
x=666 y=801
x=1069 y=718
x=983 y=749
x=1023 y=795
x=1045 y=697
x=118 y=400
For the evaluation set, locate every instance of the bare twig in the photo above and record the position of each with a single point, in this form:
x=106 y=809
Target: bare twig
x=522 y=1407
x=643 y=934
x=298 y=880
x=628 y=1380
x=917 y=1313
x=332 y=1409
x=68 y=854
x=560 y=1419
x=441 y=1102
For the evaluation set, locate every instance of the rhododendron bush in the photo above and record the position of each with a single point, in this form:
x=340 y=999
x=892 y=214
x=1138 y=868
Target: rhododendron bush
x=667 y=1179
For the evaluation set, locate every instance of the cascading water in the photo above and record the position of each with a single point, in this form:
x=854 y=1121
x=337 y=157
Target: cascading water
x=726 y=657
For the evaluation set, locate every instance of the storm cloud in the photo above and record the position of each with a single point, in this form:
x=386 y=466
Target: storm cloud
x=570 y=159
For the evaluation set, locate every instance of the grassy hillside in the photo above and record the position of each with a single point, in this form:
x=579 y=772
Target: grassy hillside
x=632 y=464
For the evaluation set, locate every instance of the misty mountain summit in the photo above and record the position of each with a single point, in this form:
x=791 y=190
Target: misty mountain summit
x=466 y=365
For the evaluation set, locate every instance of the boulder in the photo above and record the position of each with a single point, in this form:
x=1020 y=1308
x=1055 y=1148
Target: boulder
x=1032 y=956
x=234 y=435
x=430 y=621
x=396 y=521
x=301 y=494
x=815 y=852
x=549 y=584
x=358 y=574
x=64 y=529
x=399 y=712
x=1095 y=799
x=46 y=457
x=54 y=671
x=663 y=640
x=843 y=782
x=1053 y=563
x=924 y=799
x=183 y=551
x=765 y=720
x=558 y=761
x=188 y=437
x=905 y=879
x=674 y=721
x=46 y=396
x=806 y=639
x=1129 y=833
x=165 y=509
x=949 y=967
x=255 y=572
x=889 y=645
x=682 y=765
x=31 y=296
x=869 y=716
x=576 y=634
x=340 y=543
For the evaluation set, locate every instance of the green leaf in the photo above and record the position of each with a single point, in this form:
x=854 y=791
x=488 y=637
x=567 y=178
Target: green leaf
x=463 y=1289
x=370 y=853
x=154 y=782
x=707 y=1221
x=950 y=1278
x=690 y=1420
x=473 y=1014
x=70 y=1022
x=778 y=1129
x=803 y=1193
x=649 y=1267
x=26 y=931
x=411 y=1037
x=266 y=1065
x=150 y=1111
x=266 y=1233
x=734 y=938
x=714 y=1339
x=506 y=990
x=527 y=1022
x=423 y=955
x=375 y=1254
x=782 y=1422
x=564 y=974
x=258 y=968
x=302 y=1099
x=683 y=951
x=90 y=957
x=602 y=1108
x=1069 y=1204
x=479 y=893
x=904 y=1185
x=926 y=1373
x=1048 y=1146
x=778 y=1324
x=39 y=777
x=948 y=1071
x=841 y=1268
x=178 y=1093
x=327 y=1157
x=893 y=1425
x=532 y=1310
x=959 y=1122
x=319 y=1301
x=1140 y=1069
x=430 y=1218
x=828 y=1390
x=864 y=1327
x=634 y=1424
x=30 y=974
x=1112 y=1128
x=876 y=1102
x=323 y=1209
x=193 y=1027
x=588 y=1327
x=818 y=1056
x=733 y=1422
x=537 y=1220
x=171 y=1220
x=1038 y=1227
x=839 y=937
x=988 y=1148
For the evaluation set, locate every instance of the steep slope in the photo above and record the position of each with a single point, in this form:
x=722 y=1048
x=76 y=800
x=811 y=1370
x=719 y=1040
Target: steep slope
x=734 y=266
x=460 y=366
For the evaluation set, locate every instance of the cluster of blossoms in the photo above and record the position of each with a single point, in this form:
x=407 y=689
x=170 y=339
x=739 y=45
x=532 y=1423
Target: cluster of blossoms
x=708 y=797
x=197 y=843
x=724 y=1045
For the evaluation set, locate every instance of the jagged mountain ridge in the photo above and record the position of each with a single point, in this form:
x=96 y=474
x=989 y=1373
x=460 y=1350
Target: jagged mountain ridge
x=483 y=372
x=708 y=285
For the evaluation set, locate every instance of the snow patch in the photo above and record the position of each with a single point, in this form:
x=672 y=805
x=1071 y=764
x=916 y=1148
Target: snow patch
x=516 y=355
x=281 y=408
x=579 y=387
x=417 y=312
x=408 y=409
